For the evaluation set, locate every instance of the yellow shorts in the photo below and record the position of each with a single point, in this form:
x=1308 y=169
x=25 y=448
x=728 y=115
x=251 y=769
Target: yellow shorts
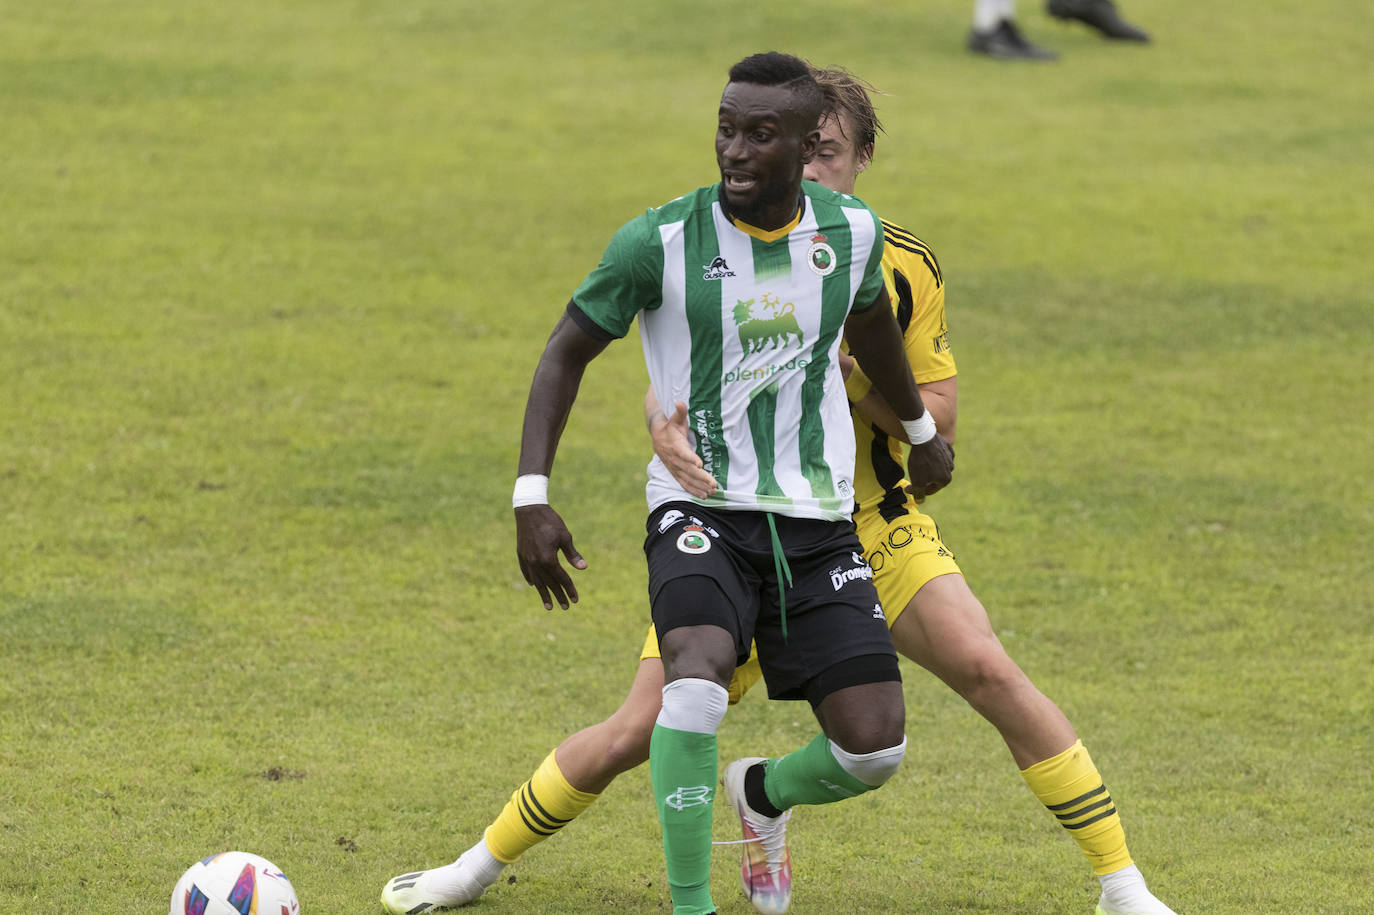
x=746 y=675
x=904 y=554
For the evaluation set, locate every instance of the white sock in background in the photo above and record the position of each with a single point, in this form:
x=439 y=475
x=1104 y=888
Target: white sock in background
x=987 y=13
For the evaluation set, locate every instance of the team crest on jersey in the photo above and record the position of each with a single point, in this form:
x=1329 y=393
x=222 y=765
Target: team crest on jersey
x=820 y=257
x=693 y=541
x=718 y=269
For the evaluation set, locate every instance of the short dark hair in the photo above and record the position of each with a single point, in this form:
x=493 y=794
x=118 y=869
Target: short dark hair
x=846 y=93
x=773 y=68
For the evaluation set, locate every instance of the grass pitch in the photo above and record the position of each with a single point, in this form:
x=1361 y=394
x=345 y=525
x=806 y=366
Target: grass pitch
x=273 y=280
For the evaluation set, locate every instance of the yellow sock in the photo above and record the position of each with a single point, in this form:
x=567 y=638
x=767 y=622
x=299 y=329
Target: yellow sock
x=1070 y=786
x=538 y=809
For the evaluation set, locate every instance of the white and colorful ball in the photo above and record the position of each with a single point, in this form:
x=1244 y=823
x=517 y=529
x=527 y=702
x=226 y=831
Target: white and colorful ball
x=234 y=883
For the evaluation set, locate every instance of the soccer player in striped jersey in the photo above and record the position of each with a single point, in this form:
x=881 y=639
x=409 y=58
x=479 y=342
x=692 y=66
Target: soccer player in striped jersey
x=936 y=620
x=742 y=291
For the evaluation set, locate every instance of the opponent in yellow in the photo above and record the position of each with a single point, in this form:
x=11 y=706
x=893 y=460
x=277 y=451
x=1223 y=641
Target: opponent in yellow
x=934 y=617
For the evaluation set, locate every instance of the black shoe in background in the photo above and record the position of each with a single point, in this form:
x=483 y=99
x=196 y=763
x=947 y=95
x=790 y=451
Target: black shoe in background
x=1100 y=14
x=1006 y=42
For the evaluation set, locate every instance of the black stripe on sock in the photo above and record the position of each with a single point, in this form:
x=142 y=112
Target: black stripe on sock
x=1078 y=800
x=1101 y=816
x=553 y=821
x=531 y=827
x=527 y=814
x=1105 y=802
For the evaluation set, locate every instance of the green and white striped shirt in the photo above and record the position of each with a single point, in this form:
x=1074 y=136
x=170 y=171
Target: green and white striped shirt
x=744 y=326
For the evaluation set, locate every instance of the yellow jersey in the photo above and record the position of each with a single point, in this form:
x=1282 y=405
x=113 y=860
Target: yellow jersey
x=917 y=293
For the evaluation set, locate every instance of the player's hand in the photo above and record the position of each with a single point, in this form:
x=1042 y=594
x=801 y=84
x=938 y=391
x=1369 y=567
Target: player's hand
x=930 y=466
x=670 y=444
x=540 y=535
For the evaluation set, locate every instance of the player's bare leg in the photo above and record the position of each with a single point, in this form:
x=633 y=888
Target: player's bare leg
x=592 y=758
x=564 y=785
x=946 y=630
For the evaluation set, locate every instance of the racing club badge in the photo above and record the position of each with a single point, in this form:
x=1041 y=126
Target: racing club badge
x=693 y=540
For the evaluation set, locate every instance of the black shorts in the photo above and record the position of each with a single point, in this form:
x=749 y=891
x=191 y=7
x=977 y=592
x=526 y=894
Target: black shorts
x=832 y=610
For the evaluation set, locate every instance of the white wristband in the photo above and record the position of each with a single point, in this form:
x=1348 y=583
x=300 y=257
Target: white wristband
x=530 y=489
x=921 y=430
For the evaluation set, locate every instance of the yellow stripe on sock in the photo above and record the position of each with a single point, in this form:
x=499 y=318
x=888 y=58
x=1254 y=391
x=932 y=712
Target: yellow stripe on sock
x=1071 y=788
x=538 y=809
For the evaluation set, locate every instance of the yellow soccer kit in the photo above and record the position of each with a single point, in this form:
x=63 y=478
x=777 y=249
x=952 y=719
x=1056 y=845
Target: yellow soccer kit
x=901 y=542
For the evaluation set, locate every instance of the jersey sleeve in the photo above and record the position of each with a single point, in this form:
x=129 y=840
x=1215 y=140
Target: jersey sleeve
x=917 y=292
x=873 y=270
x=926 y=335
x=628 y=279
x=917 y=289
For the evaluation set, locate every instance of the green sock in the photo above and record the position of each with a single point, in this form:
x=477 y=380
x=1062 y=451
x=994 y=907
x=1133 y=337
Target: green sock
x=682 y=765
x=810 y=775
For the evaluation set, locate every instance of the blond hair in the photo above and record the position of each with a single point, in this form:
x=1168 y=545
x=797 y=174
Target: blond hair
x=846 y=94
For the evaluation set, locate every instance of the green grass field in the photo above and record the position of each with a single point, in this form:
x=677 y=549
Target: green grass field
x=273 y=280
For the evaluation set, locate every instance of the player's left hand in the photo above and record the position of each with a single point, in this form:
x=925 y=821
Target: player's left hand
x=540 y=535
x=670 y=444
x=930 y=466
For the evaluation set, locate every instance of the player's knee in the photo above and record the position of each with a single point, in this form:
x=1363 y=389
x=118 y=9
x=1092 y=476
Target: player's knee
x=694 y=705
x=628 y=751
x=988 y=678
x=865 y=718
x=629 y=747
x=873 y=769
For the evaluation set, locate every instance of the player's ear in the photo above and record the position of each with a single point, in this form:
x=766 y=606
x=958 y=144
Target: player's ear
x=810 y=142
x=865 y=156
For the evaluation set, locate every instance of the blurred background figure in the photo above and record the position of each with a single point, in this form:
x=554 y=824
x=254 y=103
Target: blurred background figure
x=996 y=34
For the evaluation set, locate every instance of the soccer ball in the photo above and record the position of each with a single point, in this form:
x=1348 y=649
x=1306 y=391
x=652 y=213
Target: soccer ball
x=234 y=883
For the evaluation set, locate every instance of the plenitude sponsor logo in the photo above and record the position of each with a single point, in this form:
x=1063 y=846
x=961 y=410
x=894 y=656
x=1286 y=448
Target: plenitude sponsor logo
x=765 y=372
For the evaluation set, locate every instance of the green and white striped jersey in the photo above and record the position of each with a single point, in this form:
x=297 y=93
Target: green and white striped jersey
x=744 y=326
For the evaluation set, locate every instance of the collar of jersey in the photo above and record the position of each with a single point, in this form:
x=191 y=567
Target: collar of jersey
x=765 y=235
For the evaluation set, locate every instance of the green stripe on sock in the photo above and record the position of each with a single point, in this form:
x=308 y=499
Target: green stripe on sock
x=682 y=766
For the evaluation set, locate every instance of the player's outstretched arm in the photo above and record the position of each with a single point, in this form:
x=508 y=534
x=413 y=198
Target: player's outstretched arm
x=940 y=397
x=540 y=534
x=876 y=342
x=669 y=434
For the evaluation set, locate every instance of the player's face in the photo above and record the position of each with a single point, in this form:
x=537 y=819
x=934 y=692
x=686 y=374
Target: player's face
x=762 y=144
x=838 y=161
